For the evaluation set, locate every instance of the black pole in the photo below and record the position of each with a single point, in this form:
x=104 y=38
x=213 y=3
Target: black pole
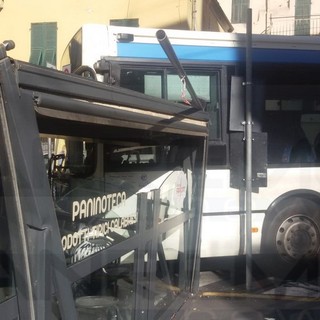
x=249 y=151
x=167 y=48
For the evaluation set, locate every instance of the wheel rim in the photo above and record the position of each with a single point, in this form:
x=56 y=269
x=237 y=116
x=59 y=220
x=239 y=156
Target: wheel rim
x=297 y=237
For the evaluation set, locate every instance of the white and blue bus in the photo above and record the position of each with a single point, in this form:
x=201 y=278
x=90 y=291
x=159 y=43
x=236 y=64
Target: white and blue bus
x=286 y=125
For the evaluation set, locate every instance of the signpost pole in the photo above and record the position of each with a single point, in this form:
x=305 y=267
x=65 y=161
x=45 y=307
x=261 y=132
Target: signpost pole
x=249 y=152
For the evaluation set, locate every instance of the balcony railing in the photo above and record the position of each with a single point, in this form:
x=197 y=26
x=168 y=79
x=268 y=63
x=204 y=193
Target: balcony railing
x=293 y=25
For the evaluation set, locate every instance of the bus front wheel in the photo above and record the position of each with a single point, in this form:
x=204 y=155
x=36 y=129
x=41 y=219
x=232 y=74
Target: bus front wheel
x=291 y=234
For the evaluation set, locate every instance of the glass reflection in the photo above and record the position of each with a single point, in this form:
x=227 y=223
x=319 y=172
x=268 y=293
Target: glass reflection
x=106 y=294
x=170 y=269
x=7 y=286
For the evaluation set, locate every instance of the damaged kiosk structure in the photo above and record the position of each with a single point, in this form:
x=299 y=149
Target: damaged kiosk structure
x=101 y=195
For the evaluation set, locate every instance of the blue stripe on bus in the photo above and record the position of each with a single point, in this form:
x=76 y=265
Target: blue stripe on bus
x=219 y=54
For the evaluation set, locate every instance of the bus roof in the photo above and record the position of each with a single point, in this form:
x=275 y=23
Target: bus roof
x=198 y=45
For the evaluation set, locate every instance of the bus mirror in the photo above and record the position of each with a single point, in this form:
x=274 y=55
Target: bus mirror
x=110 y=71
x=237 y=107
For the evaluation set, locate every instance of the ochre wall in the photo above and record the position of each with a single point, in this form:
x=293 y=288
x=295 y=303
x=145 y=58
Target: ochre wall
x=17 y=16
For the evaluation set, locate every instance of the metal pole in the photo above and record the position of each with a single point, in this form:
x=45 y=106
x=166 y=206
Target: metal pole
x=168 y=49
x=249 y=151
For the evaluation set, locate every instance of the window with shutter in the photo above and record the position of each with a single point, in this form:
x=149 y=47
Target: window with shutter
x=43 y=43
x=302 y=17
x=239 y=11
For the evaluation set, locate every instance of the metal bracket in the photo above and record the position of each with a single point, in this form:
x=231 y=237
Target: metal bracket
x=6 y=46
x=244 y=124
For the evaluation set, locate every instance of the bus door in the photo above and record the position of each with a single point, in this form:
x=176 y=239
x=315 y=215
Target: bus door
x=101 y=199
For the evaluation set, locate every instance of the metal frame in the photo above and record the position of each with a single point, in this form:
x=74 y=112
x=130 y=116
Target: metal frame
x=31 y=94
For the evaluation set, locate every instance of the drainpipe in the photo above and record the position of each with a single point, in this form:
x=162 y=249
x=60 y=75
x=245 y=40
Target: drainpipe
x=194 y=14
x=266 y=17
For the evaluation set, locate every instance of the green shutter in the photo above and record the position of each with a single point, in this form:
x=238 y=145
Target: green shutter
x=43 y=43
x=239 y=11
x=35 y=57
x=124 y=22
x=51 y=43
x=36 y=43
x=302 y=17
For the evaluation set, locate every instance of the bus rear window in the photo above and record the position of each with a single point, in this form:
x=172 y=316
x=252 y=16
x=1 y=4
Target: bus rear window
x=166 y=84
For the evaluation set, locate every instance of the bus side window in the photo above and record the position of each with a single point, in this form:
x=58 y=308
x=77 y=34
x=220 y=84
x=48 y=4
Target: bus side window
x=317 y=147
x=302 y=152
x=217 y=154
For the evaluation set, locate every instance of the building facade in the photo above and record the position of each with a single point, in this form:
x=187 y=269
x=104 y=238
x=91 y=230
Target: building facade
x=42 y=29
x=284 y=17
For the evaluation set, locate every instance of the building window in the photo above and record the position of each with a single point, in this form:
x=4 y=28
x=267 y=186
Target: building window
x=125 y=22
x=239 y=11
x=302 y=17
x=44 y=44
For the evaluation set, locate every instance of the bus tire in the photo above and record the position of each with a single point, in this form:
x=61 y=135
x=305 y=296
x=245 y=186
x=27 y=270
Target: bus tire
x=291 y=236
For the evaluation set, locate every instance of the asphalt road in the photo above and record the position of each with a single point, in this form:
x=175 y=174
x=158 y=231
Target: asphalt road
x=221 y=298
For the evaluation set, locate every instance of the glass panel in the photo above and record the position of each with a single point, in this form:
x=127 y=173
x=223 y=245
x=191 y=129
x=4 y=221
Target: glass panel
x=177 y=91
x=108 y=292
x=7 y=287
x=153 y=85
x=93 y=212
x=72 y=56
x=294 y=137
x=213 y=109
x=171 y=269
x=95 y=186
x=173 y=193
x=284 y=105
x=143 y=169
x=205 y=86
x=145 y=81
